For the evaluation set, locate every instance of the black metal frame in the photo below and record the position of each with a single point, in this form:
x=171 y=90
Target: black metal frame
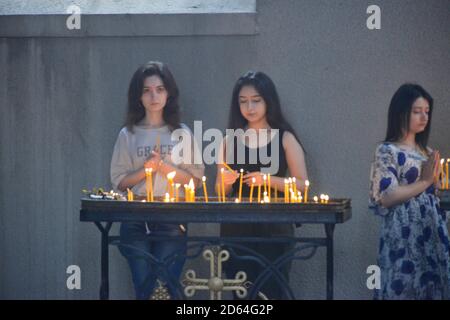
x=105 y=212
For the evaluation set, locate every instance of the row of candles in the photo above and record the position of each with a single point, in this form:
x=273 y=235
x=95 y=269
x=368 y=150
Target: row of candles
x=264 y=191
x=444 y=178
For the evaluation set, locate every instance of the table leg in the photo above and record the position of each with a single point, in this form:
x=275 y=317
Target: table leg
x=329 y=230
x=104 y=286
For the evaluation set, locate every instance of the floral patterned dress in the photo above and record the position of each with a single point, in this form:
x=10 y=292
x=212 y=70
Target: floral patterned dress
x=413 y=251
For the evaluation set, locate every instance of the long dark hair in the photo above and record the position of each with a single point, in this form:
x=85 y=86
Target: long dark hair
x=136 y=111
x=400 y=112
x=266 y=89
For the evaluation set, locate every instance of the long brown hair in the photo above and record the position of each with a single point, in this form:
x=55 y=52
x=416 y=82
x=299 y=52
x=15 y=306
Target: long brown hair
x=136 y=111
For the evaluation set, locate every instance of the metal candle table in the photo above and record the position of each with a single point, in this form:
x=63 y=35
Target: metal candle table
x=105 y=212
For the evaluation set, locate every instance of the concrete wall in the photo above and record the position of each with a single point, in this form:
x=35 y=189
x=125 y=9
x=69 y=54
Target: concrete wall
x=63 y=101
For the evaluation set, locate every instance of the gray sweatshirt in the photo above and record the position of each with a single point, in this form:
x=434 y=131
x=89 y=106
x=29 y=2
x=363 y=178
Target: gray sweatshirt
x=133 y=149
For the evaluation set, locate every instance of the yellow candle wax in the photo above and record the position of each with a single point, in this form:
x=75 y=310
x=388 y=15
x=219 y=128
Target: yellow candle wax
x=167 y=197
x=306 y=190
x=186 y=193
x=276 y=193
x=286 y=190
x=170 y=186
x=259 y=193
x=177 y=186
x=268 y=183
x=441 y=174
x=148 y=183
x=294 y=184
x=192 y=190
x=251 y=189
x=223 y=185
x=205 y=192
x=240 y=184
x=265 y=184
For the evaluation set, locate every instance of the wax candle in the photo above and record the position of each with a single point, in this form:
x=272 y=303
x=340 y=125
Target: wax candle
x=149 y=184
x=223 y=185
x=167 y=197
x=266 y=197
x=205 y=192
x=259 y=192
x=294 y=184
x=299 y=196
x=268 y=182
x=130 y=195
x=219 y=195
x=240 y=184
x=170 y=185
x=306 y=190
x=286 y=190
x=316 y=199
x=186 y=193
x=327 y=198
x=251 y=189
x=177 y=186
x=276 y=193
x=192 y=190
x=265 y=184
x=322 y=198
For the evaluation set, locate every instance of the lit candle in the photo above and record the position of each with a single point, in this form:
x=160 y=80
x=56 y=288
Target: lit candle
x=236 y=200
x=292 y=195
x=266 y=197
x=327 y=198
x=130 y=195
x=259 y=192
x=218 y=192
x=265 y=185
x=148 y=184
x=322 y=198
x=192 y=190
x=205 y=192
x=186 y=193
x=315 y=199
x=223 y=185
x=286 y=190
x=240 y=185
x=251 y=189
x=306 y=190
x=167 y=197
x=268 y=182
x=294 y=184
x=276 y=193
x=170 y=177
x=177 y=186
x=299 y=196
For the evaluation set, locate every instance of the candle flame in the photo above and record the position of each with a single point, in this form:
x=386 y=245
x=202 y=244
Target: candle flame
x=316 y=199
x=171 y=175
x=442 y=161
x=203 y=178
x=307 y=183
x=191 y=184
x=253 y=180
x=242 y=170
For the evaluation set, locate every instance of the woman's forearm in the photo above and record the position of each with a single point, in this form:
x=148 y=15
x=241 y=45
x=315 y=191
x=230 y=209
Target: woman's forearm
x=402 y=194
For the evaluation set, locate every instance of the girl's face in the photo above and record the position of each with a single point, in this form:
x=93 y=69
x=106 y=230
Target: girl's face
x=418 y=119
x=154 y=94
x=252 y=105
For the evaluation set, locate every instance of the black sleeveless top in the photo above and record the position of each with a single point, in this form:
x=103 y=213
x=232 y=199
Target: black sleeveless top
x=267 y=150
x=262 y=229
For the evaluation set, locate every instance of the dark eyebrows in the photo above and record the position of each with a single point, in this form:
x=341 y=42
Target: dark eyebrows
x=255 y=96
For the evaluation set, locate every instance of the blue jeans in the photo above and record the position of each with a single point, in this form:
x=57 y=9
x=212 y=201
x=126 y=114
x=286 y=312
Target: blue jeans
x=142 y=253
